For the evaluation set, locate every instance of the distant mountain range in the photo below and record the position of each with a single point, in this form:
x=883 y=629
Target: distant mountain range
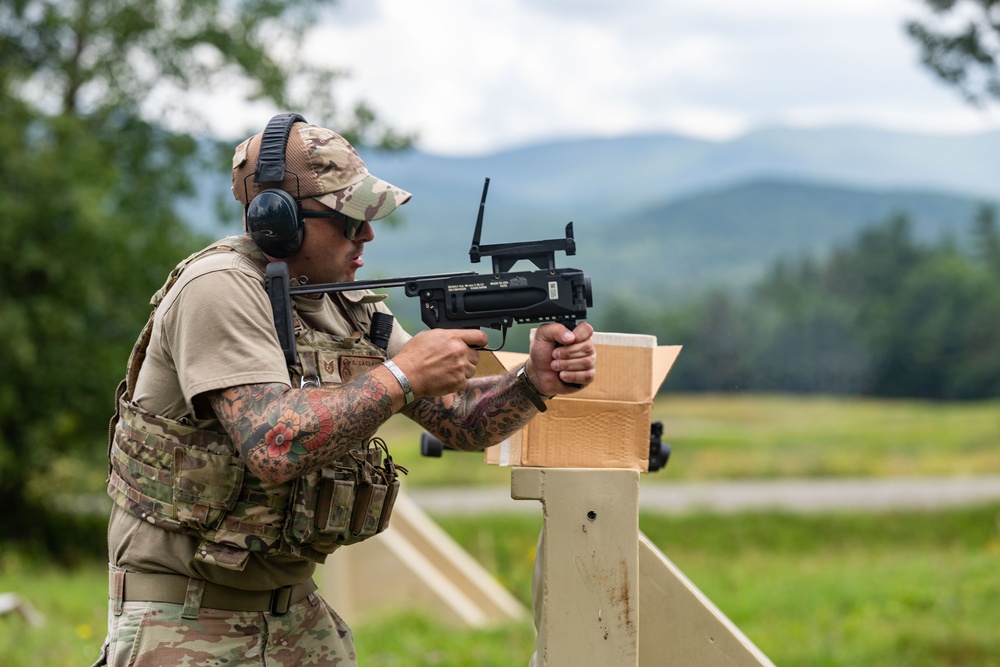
x=728 y=237
x=662 y=216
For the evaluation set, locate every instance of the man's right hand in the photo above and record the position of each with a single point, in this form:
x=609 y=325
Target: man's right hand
x=438 y=362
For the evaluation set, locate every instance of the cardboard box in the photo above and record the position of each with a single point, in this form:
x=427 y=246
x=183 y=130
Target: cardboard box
x=604 y=425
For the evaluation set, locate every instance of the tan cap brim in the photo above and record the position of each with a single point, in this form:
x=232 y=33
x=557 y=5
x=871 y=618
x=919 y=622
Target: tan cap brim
x=369 y=199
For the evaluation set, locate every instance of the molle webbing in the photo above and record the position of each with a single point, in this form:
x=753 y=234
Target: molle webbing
x=193 y=480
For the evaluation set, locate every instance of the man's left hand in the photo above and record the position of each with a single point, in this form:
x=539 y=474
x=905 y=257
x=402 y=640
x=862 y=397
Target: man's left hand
x=560 y=358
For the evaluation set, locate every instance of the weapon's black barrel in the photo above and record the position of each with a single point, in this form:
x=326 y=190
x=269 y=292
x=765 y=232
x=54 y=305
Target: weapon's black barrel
x=326 y=288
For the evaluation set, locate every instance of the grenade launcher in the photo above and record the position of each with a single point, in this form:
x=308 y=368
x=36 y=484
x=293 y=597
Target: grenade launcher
x=467 y=300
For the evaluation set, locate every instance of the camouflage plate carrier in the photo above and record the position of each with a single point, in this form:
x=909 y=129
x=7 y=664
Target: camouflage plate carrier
x=193 y=480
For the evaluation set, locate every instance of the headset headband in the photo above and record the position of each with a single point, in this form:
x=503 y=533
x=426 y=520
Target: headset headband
x=271 y=159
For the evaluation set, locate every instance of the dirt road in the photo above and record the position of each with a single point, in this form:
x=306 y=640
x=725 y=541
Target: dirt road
x=794 y=495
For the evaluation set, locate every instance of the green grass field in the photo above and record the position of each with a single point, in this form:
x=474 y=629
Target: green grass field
x=894 y=590
x=779 y=436
x=913 y=589
x=753 y=436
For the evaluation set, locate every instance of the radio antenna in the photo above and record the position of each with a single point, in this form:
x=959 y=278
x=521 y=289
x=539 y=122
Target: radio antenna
x=477 y=234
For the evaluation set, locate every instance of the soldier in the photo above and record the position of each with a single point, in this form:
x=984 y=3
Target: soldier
x=234 y=473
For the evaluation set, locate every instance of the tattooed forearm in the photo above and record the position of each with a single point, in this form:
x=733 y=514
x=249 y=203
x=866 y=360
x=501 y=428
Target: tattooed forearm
x=490 y=410
x=283 y=433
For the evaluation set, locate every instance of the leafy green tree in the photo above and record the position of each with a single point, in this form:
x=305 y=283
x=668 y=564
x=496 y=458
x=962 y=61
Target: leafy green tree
x=960 y=44
x=883 y=315
x=91 y=178
x=806 y=340
x=947 y=324
x=986 y=237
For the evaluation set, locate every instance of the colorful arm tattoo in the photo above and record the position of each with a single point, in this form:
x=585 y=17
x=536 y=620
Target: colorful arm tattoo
x=284 y=433
x=489 y=411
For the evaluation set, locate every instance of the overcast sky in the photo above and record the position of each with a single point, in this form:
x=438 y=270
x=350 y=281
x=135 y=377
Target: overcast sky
x=473 y=77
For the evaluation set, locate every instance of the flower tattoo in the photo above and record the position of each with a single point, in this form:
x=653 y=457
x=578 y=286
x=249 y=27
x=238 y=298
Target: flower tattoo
x=279 y=438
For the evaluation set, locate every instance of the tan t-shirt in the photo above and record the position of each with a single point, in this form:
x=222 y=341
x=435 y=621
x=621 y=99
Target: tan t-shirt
x=213 y=330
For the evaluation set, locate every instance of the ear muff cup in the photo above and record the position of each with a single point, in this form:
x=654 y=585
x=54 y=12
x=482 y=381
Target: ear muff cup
x=273 y=217
x=275 y=223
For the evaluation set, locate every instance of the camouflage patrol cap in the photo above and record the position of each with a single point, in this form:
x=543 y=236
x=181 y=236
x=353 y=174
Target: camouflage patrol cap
x=321 y=164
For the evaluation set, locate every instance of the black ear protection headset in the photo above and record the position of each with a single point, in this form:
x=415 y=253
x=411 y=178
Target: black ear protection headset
x=274 y=217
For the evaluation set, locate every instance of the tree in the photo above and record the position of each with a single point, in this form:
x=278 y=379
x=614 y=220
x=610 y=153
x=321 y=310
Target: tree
x=883 y=315
x=807 y=339
x=960 y=43
x=986 y=235
x=91 y=176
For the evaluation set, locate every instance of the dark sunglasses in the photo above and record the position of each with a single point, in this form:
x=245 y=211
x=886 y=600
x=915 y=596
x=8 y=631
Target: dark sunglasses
x=351 y=225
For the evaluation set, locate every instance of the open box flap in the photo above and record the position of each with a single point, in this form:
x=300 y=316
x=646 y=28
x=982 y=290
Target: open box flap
x=659 y=361
x=663 y=360
x=496 y=363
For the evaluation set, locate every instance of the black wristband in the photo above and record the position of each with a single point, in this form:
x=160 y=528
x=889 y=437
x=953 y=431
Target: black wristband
x=536 y=397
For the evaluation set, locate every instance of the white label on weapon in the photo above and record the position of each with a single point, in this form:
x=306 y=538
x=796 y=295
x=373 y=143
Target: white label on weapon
x=553 y=289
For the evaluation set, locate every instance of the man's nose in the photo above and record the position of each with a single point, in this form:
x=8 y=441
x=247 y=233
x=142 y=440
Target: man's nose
x=366 y=233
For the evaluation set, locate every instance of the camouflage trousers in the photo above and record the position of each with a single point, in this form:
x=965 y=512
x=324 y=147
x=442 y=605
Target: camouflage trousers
x=153 y=634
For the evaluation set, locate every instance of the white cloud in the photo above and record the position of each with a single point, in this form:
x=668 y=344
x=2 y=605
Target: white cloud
x=476 y=76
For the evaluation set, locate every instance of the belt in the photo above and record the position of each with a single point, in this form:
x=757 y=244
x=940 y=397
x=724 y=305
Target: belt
x=146 y=587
